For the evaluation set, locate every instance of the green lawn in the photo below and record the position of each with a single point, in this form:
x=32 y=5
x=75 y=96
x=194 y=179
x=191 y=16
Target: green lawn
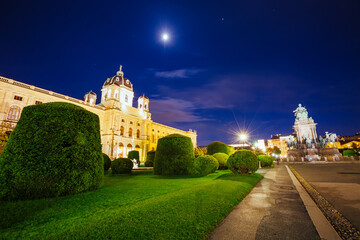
x=140 y=206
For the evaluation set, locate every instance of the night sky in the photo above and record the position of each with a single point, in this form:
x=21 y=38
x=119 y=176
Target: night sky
x=228 y=65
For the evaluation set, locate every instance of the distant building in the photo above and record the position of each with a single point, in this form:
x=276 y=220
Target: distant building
x=279 y=141
x=123 y=127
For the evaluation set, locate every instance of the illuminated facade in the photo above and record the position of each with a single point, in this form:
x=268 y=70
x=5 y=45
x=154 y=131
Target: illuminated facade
x=123 y=127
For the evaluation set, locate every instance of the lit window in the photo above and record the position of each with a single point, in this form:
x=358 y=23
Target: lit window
x=38 y=102
x=130 y=132
x=14 y=113
x=18 y=98
x=138 y=133
x=122 y=131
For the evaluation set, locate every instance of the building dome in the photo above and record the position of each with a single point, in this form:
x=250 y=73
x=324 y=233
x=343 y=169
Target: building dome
x=143 y=96
x=118 y=80
x=91 y=93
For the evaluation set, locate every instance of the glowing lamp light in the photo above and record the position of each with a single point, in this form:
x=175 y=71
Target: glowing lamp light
x=243 y=137
x=165 y=37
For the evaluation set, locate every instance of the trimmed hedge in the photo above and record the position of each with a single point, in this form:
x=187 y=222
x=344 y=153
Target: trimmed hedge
x=150 y=156
x=174 y=156
x=231 y=150
x=243 y=162
x=206 y=164
x=222 y=159
x=121 y=165
x=107 y=162
x=55 y=150
x=134 y=154
x=216 y=147
x=265 y=160
x=349 y=153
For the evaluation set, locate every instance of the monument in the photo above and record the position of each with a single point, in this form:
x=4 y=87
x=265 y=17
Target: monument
x=307 y=146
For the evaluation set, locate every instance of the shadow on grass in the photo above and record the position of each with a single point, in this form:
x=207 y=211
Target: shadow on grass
x=239 y=177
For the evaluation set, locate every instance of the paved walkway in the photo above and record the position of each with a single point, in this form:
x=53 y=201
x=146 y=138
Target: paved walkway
x=338 y=183
x=273 y=210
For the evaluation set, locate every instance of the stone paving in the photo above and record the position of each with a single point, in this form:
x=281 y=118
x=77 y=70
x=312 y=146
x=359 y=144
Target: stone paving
x=273 y=210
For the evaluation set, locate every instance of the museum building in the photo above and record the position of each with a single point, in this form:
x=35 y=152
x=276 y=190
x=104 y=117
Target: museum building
x=123 y=127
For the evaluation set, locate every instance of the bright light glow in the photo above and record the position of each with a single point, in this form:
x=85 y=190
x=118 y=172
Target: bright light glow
x=165 y=37
x=243 y=136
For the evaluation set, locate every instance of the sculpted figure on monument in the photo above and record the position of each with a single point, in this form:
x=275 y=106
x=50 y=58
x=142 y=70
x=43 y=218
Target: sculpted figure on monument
x=322 y=141
x=301 y=113
x=308 y=142
x=331 y=137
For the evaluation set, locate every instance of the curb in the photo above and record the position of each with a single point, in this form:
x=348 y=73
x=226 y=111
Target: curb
x=342 y=226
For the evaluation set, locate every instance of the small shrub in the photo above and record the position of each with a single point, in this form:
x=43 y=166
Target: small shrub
x=107 y=162
x=134 y=155
x=54 y=150
x=265 y=160
x=206 y=164
x=121 y=165
x=216 y=147
x=174 y=156
x=243 y=162
x=231 y=150
x=349 y=153
x=222 y=159
x=150 y=156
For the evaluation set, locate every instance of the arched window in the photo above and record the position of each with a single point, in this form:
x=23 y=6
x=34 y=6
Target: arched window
x=138 y=133
x=14 y=113
x=121 y=150
x=122 y=131
x=130 y=132
x=137 y=148
x=128 y=149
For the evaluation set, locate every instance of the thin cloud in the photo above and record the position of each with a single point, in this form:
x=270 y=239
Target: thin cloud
x=179 y=73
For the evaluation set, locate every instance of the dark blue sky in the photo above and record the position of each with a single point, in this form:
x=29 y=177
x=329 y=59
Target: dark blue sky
x=253 y=61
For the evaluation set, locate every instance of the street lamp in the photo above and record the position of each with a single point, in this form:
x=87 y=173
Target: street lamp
x=243 y=137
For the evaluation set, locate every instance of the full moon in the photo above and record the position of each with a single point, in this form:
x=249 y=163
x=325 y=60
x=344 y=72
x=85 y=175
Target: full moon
x=165 y=37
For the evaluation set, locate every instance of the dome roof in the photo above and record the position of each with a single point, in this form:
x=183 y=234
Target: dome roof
x=118 y=80
x=143 y=96
x=91 y=93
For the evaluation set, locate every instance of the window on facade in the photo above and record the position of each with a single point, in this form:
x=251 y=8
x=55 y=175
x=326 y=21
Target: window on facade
x=126 y=98
x=138 y=124
x=18 y=98
x=145 y=106
x=14 y=113
x=130 y=132
x=122 y=131
x=140 y=105
x=138 y=133
x=131 y=122
x=152 y=138
x=116 y=93
x=122 y=120
x=38 y=102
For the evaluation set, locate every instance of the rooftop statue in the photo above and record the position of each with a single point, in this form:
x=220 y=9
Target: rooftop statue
x=301 y=113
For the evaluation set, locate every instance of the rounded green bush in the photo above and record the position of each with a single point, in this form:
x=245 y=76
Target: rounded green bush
x=55 y=150
x=134 y=154
x=265 y=160
x=349 y=153
x=150 y=156
x=243 y=162
x=121 y=165
x=107 y=162
x=206 y=164
x=174 y=156
x=216 y=147
x=222 y=159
